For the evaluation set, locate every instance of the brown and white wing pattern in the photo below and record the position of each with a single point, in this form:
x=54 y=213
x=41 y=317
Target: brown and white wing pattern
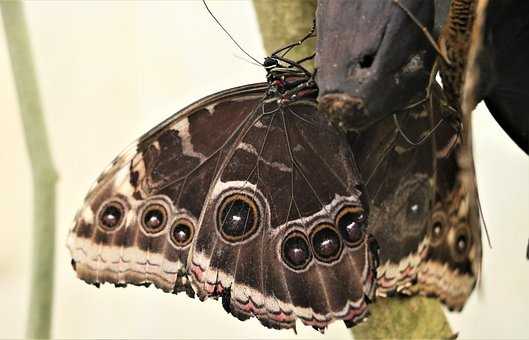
x=238 y=197
x=139 y=220
x=425 y=220
x=282 y=235
x=452 y=264
x=400 y=183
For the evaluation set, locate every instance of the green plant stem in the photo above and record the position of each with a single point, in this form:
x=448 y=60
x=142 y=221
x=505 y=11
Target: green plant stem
x=43 y=171
x=284 y=22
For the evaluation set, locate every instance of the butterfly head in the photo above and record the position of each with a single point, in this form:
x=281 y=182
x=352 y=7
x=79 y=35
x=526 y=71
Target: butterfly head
x=269 y=63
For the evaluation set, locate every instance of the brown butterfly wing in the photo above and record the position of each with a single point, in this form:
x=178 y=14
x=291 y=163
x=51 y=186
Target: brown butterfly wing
x=157 y=171
x=235 y=197
x=289 y=260
x=410 y=189
x=400 y=182
x=452 y=264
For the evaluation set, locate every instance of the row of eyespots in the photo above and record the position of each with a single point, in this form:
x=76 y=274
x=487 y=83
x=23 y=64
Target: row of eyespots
x=325 y=241
x=153 y=219
x=460 y=242
x=238 y=218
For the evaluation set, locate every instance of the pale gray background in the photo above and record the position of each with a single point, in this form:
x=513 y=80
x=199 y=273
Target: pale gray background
x=110 y=71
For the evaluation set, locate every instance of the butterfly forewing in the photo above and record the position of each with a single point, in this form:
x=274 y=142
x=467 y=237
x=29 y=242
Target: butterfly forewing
x=238 y=196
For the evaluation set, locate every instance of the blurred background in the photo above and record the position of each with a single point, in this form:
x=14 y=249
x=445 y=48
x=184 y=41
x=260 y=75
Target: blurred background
x=108 y=72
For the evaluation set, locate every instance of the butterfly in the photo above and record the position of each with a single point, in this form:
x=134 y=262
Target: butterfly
x=248 y=195
x=425 y=222
x=407 y=184
x=452 y=265
x=484 y=47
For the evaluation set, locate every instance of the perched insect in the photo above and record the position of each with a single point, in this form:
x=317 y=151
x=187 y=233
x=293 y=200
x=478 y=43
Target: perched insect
x=408 y=182
x=249 y=195
x=425 y=223
x=452 y=264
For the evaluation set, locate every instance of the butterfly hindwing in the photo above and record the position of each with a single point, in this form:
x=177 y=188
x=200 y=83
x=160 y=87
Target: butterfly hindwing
x=238 y=196
x=452 y=264
x=414 y=190
x=290 y=208
x=400 y=182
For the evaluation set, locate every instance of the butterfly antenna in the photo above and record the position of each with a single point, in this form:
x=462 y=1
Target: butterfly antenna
x=246 y=60
x=386 y=152
x=228 y=33
x=482 y=217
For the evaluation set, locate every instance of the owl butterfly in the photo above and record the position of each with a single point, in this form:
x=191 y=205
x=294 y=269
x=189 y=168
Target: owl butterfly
x=484 y=48
x=371 y=48
x=249 y=195
x=426 y=223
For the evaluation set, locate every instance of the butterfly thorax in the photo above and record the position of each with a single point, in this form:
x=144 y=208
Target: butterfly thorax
x=288 y=80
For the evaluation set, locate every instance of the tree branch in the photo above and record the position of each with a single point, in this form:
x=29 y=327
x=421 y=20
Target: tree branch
x=284 y=22
x=43 y=171
x=404 y=318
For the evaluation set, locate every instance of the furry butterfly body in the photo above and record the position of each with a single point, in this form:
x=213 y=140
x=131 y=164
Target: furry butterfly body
x=248 y=195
